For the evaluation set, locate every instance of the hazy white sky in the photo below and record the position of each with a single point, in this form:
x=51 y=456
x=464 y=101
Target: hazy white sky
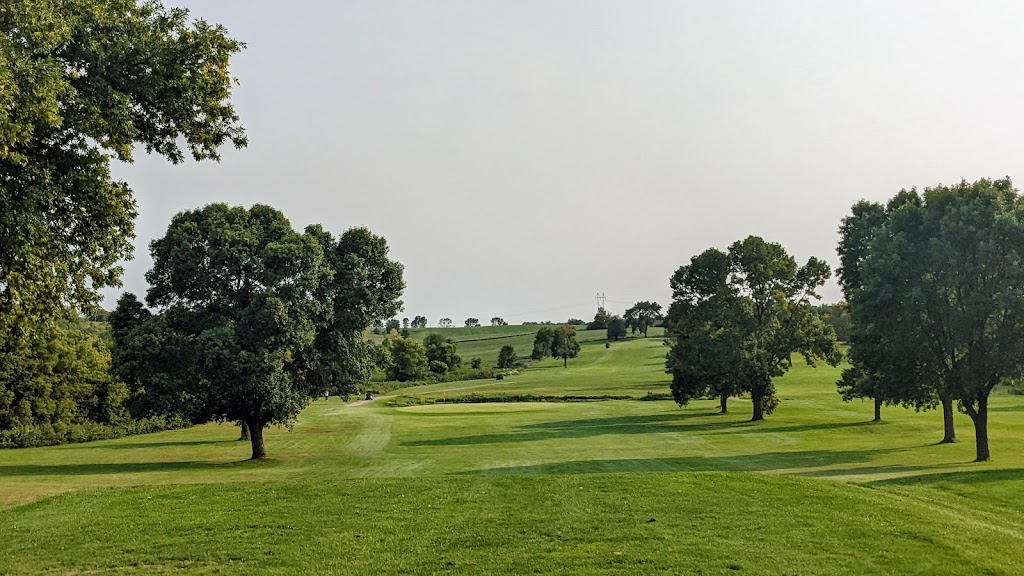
x=521 y=156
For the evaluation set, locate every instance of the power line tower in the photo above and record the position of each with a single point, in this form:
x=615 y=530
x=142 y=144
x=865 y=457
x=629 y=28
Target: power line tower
x=601 y=299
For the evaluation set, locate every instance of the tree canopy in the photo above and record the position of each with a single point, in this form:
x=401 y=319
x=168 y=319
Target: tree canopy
x=564 y=344
x=738 y=318
x=642 y=316
x=933 y=282
x=616 y=328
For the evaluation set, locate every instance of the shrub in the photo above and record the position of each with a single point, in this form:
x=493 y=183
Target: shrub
x=476 y=363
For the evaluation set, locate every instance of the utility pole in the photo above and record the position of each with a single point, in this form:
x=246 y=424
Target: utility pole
x=601 y=298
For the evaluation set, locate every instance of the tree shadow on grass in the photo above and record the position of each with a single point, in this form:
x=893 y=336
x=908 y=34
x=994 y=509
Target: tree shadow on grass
x=8 y=471
x=134 y=445
x=764 y=462
x=962 y=477
x=644 y=424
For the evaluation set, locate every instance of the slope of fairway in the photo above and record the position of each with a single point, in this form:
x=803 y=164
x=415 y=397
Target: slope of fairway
x=605 y=524
x=485 y=342
x=633 y=367
x=535 y=487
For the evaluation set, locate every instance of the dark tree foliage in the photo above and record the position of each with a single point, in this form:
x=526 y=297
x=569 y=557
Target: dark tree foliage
x=576 y=322
x=542 y=343
x=419 y=322
x=262 y=319
x=706 y=328
x=600 y=321
x=392 y=324
x=507 y=357
x=838 y=317
x=564 y=344
x=83 y=82
x=408 y=360
x=642 y=316
x=498 y=321
x=751 y=305
x=616 y=328
x=442 y=350
x=472 y=322
x=935 y=296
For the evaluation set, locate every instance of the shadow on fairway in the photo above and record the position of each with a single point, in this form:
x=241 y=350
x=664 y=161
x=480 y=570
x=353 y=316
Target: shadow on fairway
x=119 y=468
x=134 y=445
x=648 y=424
x=764 y=462
x=967 y=477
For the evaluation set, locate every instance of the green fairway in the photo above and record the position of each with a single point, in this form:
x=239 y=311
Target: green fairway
x=613 y=487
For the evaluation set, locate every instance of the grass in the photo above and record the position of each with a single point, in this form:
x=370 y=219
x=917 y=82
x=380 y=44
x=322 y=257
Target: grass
x=560 y=488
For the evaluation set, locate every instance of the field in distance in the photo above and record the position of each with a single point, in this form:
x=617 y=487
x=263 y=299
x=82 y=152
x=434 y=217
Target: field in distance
x=612 y=487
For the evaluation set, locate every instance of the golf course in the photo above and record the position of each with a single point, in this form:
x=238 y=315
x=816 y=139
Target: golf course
x=418 y=481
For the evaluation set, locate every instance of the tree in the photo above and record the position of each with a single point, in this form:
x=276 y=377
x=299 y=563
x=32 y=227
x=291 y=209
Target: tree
x=616 y=328
x=405 y=323
x=443 y=350
x=82 y=83
x=472 y=322
x=754 y=300
x=392 y=324
x=242 y=284
x=497 y=321
x=419 y=322
x=444 y=323
x=706 y=331
x=542 y=343
x=939 y=283
x=576 y=322
x=883 y=349
x=364 y=285
x=642 y=316
x=838 y=317
x=408 y=359
x=600 y=320
x=564 y=344
x=507 y=357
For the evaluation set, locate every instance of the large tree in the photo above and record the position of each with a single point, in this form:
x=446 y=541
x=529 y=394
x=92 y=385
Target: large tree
x=885 y=343
x=244 y=281
x=642 y=316
x=83 y=82
x=940 y=283
x=616 y=328
x=752 y=304
x=706 y=331
x=564 y=344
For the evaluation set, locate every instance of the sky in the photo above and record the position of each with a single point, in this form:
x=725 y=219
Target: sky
x=521 y=157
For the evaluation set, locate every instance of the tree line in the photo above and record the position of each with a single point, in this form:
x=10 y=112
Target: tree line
x=933 y=310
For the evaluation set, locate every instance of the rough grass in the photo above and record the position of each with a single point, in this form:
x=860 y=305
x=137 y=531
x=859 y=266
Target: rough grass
x=558 y=488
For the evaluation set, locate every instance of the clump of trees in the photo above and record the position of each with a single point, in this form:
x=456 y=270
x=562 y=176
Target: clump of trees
x=472 y=322
x=444 y=323
x=419 y=322
x=408 y=359
x=498 y=321
x=616 y=328
x=738 y=317
x=442 y=355
x=507 y=357
x=542 y=343
x=85 y=83
x=642 y=316
x=259 y=318
x=600 y=321
x=933 y=282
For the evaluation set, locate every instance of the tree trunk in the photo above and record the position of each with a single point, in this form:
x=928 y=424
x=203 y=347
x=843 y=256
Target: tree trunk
x=949 y=432
x=755 y=397
x=256 y=433
x=981 y=430
x=723 y=401
x=245 y=431
x=565 y=362
x=878 y=410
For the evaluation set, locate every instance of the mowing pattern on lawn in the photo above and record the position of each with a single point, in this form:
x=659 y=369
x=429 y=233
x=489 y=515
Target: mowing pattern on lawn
x=593 y=487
